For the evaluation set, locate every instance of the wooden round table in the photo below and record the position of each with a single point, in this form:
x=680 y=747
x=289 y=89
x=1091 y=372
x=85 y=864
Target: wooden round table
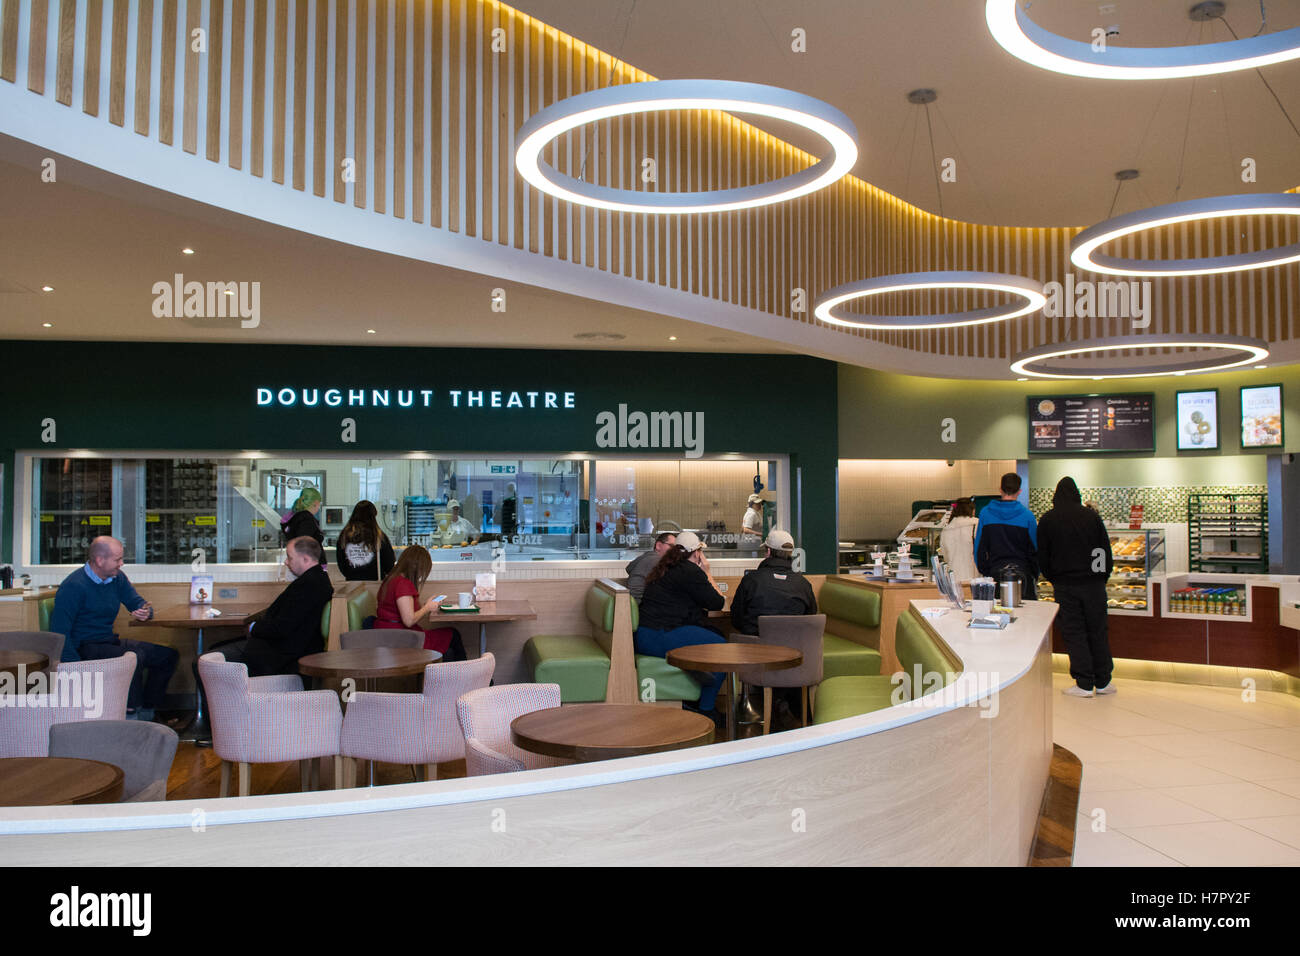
x=21 y=663
x=605 y=731
x=52 y=781
x=368 y=663
x=732 y=658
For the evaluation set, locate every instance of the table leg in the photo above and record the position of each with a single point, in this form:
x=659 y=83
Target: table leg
x=482 y=638
x=732 y=706
x=198 y=730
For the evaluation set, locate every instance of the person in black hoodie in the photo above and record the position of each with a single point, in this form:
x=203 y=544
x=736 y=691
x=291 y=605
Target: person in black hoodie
x=303 y=520
x=1074 y=554
x=290 y=627
x=679 y=593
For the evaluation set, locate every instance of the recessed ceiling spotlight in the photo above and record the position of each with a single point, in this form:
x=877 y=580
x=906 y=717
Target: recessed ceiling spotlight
x=370 y=331
x=1022 y=380
x=672 y=338
x=188 y=251
x=47 y=288
x=47 y=325
x=229 y=292
x=1261 y=366
x=1026 y=40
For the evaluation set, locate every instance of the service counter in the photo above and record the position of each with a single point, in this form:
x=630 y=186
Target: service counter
x=953 y=778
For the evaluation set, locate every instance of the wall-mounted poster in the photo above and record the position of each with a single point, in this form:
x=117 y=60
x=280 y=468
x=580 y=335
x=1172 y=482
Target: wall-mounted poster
x=1261 y=416
x=1198 y=420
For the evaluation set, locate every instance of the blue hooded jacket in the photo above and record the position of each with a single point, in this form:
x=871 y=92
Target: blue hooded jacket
x=1007 y=532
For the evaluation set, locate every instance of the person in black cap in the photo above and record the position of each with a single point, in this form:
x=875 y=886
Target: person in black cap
x=1074 y=553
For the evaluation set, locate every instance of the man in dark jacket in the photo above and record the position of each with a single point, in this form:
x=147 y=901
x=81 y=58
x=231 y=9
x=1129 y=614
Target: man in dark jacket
x=772 y=588
x=1074 y=551
x=290 y=627
x=1007 y=538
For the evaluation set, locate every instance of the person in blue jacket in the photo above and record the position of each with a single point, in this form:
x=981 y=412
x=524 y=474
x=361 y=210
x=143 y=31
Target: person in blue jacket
x=85 y=608
x=1006 y=541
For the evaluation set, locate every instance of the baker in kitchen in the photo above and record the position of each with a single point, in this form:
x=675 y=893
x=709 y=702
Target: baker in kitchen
x=458 y=530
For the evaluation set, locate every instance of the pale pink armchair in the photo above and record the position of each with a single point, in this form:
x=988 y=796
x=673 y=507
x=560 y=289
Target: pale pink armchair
x=88 y=690
x=485 y=717
x=420 y=730
x=267 y=720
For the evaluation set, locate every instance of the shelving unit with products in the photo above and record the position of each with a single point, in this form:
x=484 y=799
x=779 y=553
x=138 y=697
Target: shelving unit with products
x=74 y=505
x=1227 y=533
x=1212 y=596
x=1138 y=555
x=180 y=510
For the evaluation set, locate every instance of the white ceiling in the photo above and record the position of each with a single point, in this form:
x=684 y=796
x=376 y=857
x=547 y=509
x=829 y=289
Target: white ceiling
x=1033 y=148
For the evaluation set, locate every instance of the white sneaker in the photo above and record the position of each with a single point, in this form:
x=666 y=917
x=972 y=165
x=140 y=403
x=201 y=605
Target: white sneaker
x=1108 y=689
x=1074 y=690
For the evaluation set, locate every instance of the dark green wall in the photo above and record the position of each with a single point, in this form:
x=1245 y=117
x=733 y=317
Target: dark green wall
x=129 y=396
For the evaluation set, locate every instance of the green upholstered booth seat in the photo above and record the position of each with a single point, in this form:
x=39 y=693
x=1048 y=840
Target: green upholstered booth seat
x=44 y=611
x=842 y=696
x=574 y=662
x=850 y=611
x=670 y=683
x=843 y=658
x=325 y=621
x=360 y=606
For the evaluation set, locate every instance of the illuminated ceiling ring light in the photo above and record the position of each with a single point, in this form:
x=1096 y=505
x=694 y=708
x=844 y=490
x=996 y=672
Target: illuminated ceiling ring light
x=1084 y=246
x=1026 y=40
x=1037 y=362
x=1028 y=289
x=657 y=95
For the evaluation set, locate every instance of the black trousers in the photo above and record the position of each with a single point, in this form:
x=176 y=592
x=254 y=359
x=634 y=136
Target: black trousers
x=1082 y=618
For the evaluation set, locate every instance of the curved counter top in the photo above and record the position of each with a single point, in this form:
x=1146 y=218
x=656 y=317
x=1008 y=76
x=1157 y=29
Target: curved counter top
x=954 y=777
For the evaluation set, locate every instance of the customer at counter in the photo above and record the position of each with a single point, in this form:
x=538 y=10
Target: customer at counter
x=679 y=593
x=957 y=540
x=751 y=525
x=774 y=587
x=640 y=567
x=302 y=522
x=1007 y=539
x=458 y=530
x=1074 y=552
x=397 y=608
x=364 y=551
x=85 y=608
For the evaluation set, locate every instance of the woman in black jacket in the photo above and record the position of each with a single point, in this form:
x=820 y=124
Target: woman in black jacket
x=302 y=523
x=679 y=593
x=364 y=551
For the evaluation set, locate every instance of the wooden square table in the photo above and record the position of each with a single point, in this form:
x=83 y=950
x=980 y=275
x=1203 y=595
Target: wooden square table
x=489 y=612
x=732 y=658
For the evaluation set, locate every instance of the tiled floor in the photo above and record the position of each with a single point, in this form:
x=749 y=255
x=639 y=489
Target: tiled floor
x=1184 y=775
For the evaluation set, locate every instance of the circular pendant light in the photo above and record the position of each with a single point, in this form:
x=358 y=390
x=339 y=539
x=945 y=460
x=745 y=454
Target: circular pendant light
x=1083 y=247
x=658 y=95
x=1028 y=289
x=1039 y=362
x=1026 y=40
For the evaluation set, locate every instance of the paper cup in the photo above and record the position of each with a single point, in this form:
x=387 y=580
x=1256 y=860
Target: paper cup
x=980 y=608
x=465 y=599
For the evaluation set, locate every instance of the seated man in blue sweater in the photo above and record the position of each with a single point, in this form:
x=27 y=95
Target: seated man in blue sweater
x=1006 y=541
x=84 y=610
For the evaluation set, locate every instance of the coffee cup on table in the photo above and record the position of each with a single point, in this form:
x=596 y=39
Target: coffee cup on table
x=465 y=599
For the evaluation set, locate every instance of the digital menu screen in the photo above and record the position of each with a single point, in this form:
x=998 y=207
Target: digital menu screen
x=1261 y=416
x=1198 y=420
x=1082 y=423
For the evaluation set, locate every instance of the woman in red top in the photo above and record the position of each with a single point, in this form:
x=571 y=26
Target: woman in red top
x=397 y=599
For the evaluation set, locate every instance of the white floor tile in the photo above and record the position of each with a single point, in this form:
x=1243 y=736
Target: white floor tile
x=1216 y=843
x=1139 y=808
x=1251 y=765
x=1289 y=785
x=1275 y=740
x=1284 y=829
x=1190 y=745
x=1236 y=801
x=1113 y=848
x=1104 y=776
x=1169 y=772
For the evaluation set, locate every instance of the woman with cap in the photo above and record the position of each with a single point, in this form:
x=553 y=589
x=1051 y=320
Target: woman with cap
x=752 y=523
x=679 y=593
x=302 y=522
x=458 y=531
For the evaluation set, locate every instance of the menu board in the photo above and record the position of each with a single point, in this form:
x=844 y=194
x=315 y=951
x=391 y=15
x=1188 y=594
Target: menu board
x=1083 y=423
x=1198 y=420
x=1261 y=416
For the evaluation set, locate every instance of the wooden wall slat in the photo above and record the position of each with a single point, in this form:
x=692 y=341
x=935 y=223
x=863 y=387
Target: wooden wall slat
x=280 y=92
x=437 y=83
x=381 y=106
x=360 y=132
x=36 y=34
x=9 y=41
x=451 y=71
x=400 y=116
x=472 y=42
x=190 y=113
x=518 y=48
x=301 y=23
x=94 y=51
x=167 y=74
x=143 y=66
x=117 y=66
x=419 y=107
x=238 y=15
x=319 y=103
x=216 y=39
x=488 y=59
x=257 y=137
x=340 y=99
x=67 y=45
